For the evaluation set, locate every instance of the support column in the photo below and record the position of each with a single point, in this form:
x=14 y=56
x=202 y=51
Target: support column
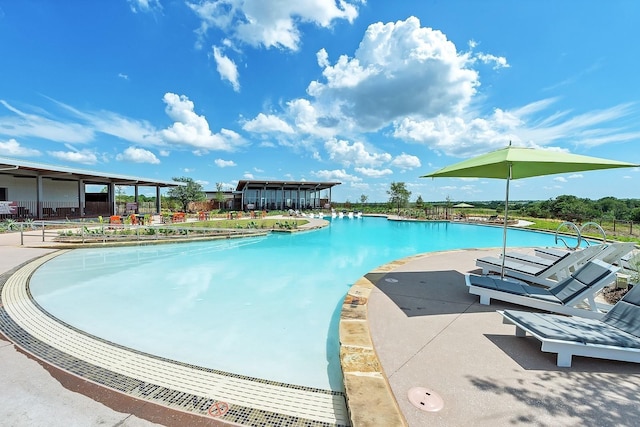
x=81 y=198
x=39 y=195
x=158 y=201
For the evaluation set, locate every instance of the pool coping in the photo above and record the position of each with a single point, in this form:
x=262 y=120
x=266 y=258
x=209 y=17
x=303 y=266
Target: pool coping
x=370 y=400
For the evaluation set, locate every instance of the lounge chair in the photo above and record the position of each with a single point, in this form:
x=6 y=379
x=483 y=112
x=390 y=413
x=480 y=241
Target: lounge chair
x=614 y=253
x=546 y=275
x=573 y=295
x=616 y=336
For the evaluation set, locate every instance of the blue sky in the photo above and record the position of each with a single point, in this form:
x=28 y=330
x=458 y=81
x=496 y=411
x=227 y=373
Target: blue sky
x=365 y=93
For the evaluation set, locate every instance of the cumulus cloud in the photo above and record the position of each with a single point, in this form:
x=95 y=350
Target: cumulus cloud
x=267 y=123
x=138 y=155
x=224 y=163
x=83 y=156
x=406 y=161
x=560 y=179
x=399 y=69
x=335 y=175
x=226 y=68
x=192 y=129
x=13 y=148
x=374 y=173
x=261 y=23
x=354 y=154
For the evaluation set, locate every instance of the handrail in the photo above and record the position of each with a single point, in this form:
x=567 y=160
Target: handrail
x=604 y=234
x=575 y=227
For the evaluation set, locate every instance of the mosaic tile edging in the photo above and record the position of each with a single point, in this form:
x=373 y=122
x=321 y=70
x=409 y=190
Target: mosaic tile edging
x=135 y=388
x=370 y=400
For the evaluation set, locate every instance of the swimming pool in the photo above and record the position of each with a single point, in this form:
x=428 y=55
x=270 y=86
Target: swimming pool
x=266 y=307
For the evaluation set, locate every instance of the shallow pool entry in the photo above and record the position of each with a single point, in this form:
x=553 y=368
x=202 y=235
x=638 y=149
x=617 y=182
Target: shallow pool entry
x=425 y=399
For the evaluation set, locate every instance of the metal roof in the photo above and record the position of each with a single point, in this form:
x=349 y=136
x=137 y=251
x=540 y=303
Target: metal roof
x=291 y=185
x=25 y=169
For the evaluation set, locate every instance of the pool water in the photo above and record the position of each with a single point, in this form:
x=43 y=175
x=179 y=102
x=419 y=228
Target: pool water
x=263 y=307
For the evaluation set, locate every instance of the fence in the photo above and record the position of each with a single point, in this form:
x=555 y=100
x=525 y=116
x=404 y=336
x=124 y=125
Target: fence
x=92 y=232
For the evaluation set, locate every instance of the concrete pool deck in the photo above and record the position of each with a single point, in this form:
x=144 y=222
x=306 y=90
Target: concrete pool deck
x=425 y=330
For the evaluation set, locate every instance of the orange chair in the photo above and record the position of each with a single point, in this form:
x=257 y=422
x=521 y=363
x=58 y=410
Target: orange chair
x=115 y=219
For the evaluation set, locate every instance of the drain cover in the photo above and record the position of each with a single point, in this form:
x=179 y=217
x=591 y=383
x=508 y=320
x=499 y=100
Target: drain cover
x=425 y=399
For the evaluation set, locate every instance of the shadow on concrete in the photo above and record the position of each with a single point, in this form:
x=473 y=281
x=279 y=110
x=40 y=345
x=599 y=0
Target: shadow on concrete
x=428 y=292
x=588 y=398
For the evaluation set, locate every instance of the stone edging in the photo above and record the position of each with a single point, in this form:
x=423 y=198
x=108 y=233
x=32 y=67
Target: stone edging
x=370 y=400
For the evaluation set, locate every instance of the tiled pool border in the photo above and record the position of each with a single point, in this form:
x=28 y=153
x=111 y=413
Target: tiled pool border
x=198 y=404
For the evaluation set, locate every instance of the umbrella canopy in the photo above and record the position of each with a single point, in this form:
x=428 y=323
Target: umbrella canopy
x=519 y=162
x=463 y=205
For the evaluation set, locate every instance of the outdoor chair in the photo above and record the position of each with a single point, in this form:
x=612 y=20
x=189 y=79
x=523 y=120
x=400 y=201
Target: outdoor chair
x=543 y=274
x=615 y=253
x=616 y=336
x=574 y=295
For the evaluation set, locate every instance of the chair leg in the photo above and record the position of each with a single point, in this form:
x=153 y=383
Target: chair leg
x=485 y=300
x=564 y=360
x=520 y=332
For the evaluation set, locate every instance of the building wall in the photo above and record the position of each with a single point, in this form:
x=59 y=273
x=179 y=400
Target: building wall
x=25 y=189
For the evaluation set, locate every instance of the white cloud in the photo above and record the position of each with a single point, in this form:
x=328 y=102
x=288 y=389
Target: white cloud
x=399 y=69
x=24 y=124
x=560 y=179
x=226 y=68
x=264 y=123
x=269 y=23
x=354 y=154
x=497 y=61
x=406 y=161
x=144 y=5
x=248 y=175
x=123 y=76
x=335 y=175
x=13 y=148
x=192 y=129
x=138 y=155
x=576 y=176
x=83 y=156
x=374 y=173
x=224 y=163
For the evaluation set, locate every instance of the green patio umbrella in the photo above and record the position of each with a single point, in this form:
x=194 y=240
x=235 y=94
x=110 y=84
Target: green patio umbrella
x=519 y=162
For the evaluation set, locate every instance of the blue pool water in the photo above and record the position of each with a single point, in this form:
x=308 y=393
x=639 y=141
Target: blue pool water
x=262 y=307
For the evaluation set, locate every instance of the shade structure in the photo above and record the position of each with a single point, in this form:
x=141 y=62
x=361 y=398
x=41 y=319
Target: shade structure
x=519 y=162
x=463 y=205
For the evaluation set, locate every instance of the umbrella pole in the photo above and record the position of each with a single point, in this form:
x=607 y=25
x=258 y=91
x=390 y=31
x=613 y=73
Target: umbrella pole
x=504 y=231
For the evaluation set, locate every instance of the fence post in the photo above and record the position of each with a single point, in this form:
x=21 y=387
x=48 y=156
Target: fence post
x=21 y=235
x=43 y=230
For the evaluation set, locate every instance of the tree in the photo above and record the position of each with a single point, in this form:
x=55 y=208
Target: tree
x=184 y=194
x=398 y=195
x=219 y=195
x=363 y=199
x=419 y=202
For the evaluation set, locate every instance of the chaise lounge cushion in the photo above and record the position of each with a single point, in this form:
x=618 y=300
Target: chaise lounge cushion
x=572 y=329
